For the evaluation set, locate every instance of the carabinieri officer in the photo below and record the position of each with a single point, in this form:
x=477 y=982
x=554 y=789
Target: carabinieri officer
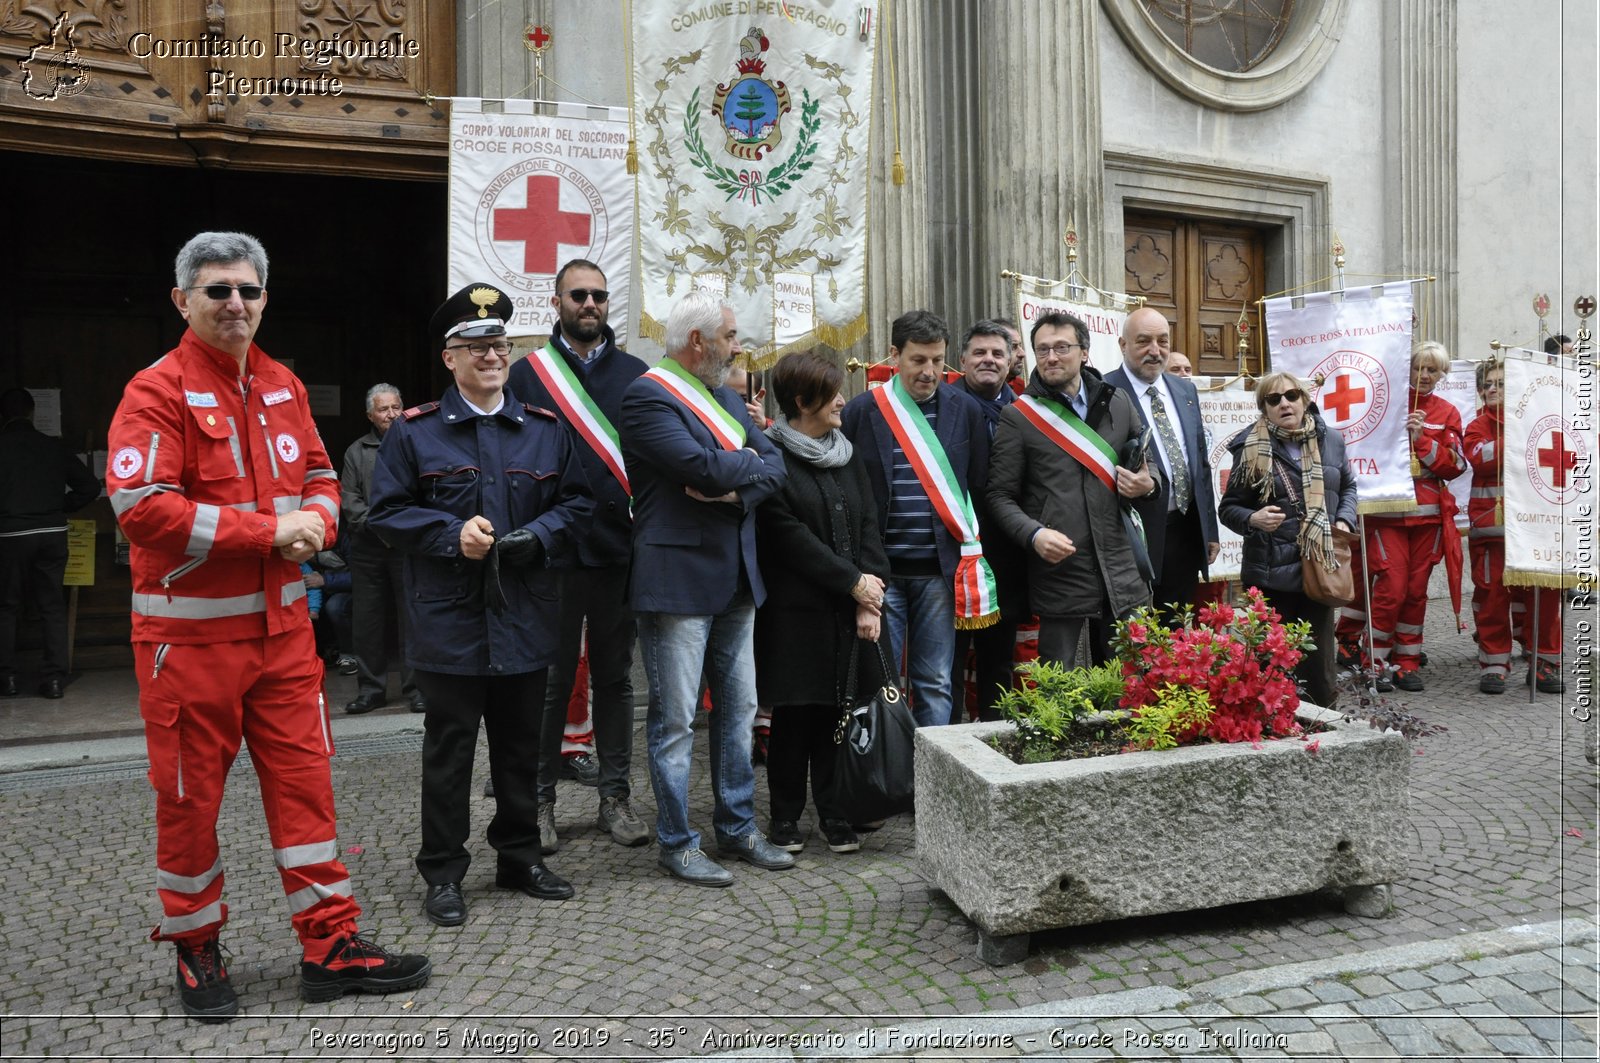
x=485 y=496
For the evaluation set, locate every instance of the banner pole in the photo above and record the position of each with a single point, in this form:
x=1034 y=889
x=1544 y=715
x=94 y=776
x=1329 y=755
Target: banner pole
x=1532 y=645
x=1366 y=601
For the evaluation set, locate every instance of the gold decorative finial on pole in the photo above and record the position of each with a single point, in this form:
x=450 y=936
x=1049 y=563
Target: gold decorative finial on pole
x=1338 y=251
x=1583 y=306
x=855 y=365
x=1242 y=327
x=1541 y=307
x=1070 y=238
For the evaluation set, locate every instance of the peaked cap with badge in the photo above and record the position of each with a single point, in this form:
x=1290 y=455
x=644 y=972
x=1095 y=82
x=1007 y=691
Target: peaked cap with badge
x=476 y=311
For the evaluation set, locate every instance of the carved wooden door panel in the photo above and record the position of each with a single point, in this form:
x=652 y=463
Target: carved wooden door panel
x=335 y=86
x=1200 y=273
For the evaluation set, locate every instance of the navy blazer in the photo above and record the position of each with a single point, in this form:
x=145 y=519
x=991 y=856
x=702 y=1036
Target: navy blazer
x=1202 y=481
x=687 y=554
x=958 y=423
x=606 y=378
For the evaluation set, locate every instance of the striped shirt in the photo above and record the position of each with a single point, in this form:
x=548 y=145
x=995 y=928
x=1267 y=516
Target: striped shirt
x=909 y=533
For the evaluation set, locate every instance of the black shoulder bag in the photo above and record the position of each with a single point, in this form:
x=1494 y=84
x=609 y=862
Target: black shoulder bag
x=872 y=772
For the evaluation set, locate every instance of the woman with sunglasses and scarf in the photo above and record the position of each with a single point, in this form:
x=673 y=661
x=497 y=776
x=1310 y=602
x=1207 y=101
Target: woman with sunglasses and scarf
x=1291 y=484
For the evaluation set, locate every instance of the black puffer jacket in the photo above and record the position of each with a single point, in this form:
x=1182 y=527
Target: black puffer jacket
x=1272 y=559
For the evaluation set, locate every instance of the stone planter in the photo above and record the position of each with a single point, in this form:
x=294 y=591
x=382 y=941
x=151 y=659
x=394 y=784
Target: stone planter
x=1021 y=848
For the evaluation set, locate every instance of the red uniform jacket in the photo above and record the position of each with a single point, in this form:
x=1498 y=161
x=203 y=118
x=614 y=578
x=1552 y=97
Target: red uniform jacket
x=201 y=464
x=1483 y=441
x=1438 y=451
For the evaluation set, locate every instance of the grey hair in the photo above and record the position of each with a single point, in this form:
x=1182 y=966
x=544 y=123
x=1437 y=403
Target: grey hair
x=380 y=389
x=697 y=311
x=1433 y=353
x=205 y=249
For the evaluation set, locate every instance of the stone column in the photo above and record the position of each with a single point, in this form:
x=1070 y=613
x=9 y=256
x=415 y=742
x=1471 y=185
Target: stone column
x=897 y=215
x=1041 y=144
x=1420 y=77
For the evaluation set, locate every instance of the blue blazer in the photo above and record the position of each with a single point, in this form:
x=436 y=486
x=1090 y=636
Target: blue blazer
x=688 y=554
x=959 y=425
x=608 y=375
x=1203 y=482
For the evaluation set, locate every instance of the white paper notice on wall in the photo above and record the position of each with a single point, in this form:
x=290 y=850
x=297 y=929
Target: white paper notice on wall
x=324 y=399
x=47 y=410
x=794 y=307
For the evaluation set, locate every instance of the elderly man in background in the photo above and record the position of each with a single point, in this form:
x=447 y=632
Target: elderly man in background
x=375 y=568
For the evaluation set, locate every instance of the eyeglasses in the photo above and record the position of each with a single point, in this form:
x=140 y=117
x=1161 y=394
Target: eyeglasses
x=1278 y=396
x=583 y=295
x=223 y=292
x=1055 y=349
x=482 y=350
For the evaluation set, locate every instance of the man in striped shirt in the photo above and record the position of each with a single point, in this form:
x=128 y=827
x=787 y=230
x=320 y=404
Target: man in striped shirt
x=919 y=601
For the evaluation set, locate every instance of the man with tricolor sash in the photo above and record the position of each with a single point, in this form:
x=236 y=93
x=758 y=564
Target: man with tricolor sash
x=581 y=375
x=698 y=469
x=926 y=448
x=1056 y=487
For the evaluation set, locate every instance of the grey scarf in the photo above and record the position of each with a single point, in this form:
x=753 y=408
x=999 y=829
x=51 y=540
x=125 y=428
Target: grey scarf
x=830 y=452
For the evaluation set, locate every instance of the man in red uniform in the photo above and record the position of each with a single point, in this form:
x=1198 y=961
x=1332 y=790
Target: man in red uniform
x=222 y=486
x=1402 y=548
x=1499 y=610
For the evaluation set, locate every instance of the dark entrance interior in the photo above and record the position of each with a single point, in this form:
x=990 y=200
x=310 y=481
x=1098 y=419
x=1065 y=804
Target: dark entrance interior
x=357 y=267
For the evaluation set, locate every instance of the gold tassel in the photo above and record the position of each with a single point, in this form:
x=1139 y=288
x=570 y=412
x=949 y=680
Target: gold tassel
x=633 y=156
x=973 y=623
x=897 y=172
x=1499 y=514
x=1416 y=467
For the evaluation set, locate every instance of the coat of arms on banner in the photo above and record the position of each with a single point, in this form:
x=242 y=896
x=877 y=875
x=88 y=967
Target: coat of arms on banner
x=754 y=166
x=1355 y=393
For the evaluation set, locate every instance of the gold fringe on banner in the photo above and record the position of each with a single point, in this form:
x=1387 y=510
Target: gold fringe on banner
x=651 y=329
x=974 y=623
x=1387 y=506
x=1521 y=577
x=836 y=336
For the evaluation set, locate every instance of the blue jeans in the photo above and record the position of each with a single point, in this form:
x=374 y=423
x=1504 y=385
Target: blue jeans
x=674 y=650
x=928 y=605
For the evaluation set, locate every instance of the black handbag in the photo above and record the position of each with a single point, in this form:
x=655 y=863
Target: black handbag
x=872 y=771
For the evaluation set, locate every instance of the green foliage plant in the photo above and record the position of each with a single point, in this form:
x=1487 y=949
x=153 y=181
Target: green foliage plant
x=1051 y=699
x=1176 y=716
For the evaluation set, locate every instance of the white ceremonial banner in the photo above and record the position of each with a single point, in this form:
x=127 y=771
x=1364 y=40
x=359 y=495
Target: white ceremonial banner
x=753 y=138
x=1225 y=413
x=1360 y=346
x=1549 y=473
x=1103 y=314
x=1459 y=388
x=528 y=193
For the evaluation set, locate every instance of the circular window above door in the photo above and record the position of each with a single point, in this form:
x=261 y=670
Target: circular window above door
x=1234 y=55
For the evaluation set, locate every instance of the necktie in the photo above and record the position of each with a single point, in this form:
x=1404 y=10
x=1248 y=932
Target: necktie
x=1169 y=443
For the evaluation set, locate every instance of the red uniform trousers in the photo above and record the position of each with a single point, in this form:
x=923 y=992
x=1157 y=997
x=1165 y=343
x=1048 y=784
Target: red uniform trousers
x=1403 y=556
x=197 y=701
x=1501 y=612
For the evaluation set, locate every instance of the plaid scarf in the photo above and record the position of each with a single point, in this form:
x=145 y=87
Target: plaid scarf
x=1255 y=460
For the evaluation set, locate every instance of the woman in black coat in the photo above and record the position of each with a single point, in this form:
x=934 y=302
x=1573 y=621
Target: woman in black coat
x=1285 y=510
x=823 y=563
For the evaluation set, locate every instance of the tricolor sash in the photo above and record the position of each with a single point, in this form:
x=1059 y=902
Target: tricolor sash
x=580 y=409
x=687 y=389
x=1067 y=430
x=976 y=597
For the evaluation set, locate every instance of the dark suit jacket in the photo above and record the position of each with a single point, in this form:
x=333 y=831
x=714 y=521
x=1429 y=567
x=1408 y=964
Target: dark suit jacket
x=959 y=425
x=607 y=378
x=1203 y=482
x=687 y=554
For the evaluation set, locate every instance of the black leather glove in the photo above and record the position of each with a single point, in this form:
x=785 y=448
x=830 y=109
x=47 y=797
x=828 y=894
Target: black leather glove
x=519 y=549
x=494 y=596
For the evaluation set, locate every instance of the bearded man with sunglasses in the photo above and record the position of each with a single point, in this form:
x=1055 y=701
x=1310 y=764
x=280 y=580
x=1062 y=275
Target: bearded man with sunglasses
x=581 y=375
x=221 y=483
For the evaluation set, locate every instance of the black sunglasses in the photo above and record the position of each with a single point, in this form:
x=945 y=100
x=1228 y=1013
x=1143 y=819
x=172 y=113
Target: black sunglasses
x=582 y=295
x=1278 y=396
x=222 y=292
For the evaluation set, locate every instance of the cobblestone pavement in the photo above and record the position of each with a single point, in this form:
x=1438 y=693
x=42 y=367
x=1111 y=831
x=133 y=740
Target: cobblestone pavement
x=1503 y=807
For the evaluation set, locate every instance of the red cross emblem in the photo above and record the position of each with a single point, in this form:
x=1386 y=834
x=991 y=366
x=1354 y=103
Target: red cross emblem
x=1583 y=306
x=126 y=462
x=538 y=38
x=1558 y=459
x=1344 y=397
x=541 y=225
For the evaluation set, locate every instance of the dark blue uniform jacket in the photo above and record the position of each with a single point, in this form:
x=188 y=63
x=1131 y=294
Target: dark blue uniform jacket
x=441 y=464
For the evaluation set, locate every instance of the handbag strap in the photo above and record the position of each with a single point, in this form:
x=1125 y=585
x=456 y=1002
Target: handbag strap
x=847 y=696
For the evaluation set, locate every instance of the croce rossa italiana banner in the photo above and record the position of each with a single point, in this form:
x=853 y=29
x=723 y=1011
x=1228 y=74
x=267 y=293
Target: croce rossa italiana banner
x=1548 y=472
x=754 y=123
x=1359 y=346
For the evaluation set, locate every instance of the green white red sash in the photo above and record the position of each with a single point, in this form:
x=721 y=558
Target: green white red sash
x=976 y=597
x=687 y=389
x=580 y=409
x=1068 y=431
